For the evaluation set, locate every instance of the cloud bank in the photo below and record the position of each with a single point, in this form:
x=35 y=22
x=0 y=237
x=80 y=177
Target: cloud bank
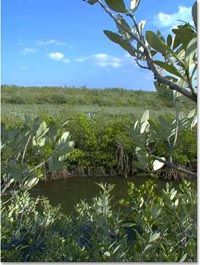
x=171 y=20
x=105 y=60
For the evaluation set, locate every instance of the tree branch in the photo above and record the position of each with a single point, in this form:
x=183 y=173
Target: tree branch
x=150 y=63
x=178 y=168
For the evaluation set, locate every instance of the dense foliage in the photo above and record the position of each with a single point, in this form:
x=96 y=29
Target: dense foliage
x=148 y=228
x=115 y=97
x=100 y=148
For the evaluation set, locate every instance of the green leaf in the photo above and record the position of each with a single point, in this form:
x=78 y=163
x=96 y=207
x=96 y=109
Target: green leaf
x=183 y=258
x=140 y=238
x=169 y=68
x=154 y=237
x=156 y=210
x=116 y=5
x=164 y=124
x=142 y=157
x=92 y=2
x=63 y=138
x=38 y=141
x=54 y=164
x=190 y=52
x=63 y=157
x=123 y=27
x=28 y=184
x=144 y=127
x=192 y=113
x=42 y=130
x=127 y=225
x=194 y=121
x=173 y=194
x=194 y=13
x=164 y=91
x=169 y=40
x=114 y=37
x=155 y=42
x=183 y=35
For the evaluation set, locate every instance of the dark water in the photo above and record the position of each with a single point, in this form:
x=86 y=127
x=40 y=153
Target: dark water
x=70 y=191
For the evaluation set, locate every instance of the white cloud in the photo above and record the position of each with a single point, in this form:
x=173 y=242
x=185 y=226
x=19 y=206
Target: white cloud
x=171 y=20
x=57 y=56
x=49 y=42
x=103 y=60
x=28 y=51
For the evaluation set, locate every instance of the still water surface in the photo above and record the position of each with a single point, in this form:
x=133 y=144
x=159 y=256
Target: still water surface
x=70 y=191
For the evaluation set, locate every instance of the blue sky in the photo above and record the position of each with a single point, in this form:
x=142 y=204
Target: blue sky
x=61 y=43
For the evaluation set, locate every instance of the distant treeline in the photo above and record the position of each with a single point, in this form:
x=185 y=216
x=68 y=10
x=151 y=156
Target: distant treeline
x=111 y=97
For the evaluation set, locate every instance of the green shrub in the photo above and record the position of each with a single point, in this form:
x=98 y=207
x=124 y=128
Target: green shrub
x=150 y=227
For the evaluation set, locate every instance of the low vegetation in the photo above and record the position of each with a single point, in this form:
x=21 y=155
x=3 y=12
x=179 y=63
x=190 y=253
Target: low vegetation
x=148 y=228
x=115 y=97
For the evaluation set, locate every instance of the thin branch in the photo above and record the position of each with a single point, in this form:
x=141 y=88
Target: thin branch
x=141 y=66
x=150 y=63
x=178 y=168
x=25 y=148
x=172 y=146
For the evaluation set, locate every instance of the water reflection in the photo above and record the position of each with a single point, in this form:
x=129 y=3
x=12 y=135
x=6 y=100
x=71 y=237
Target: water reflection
x=70 y=191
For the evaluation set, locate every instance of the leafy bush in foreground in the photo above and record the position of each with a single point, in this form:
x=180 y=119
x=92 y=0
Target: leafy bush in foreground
x=150 y=227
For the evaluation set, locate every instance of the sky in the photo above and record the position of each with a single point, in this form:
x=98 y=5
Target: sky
x=61 y=43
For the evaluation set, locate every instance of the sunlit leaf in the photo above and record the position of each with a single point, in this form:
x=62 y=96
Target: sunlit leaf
x=173 y=194
x=194 y=122
x=190 y=52
x=145 y=116
x=42 y=130
x=158 y=164
x=183 y=258
x=63 y=138
x=141 y=25
x=30 y=183
x=154 y=237
x=134 y=5
x=192 y=113
x=144 y=126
